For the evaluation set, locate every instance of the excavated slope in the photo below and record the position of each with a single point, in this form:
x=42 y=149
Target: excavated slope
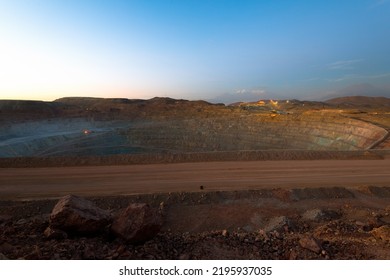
x=257 y=132
x=85 y=127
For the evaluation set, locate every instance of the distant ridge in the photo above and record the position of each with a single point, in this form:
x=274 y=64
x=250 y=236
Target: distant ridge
x=121 y=103
x=99 y=108
x=366 y=101
x=28 y=107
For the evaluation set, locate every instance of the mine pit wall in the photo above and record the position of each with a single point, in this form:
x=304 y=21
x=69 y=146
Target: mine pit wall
x=225 y=132
x=34 y=147
x=257 y=133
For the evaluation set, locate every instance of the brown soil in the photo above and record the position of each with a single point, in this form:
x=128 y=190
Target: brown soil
x=33 y=183
x=246 y=210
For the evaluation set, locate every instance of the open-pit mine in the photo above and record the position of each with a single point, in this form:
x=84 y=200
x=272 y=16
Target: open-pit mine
x=271 y=179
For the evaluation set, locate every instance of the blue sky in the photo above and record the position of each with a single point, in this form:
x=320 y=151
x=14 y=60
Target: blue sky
x=205 y=49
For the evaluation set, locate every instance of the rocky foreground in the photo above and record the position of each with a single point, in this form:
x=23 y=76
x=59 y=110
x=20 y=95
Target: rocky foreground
x=332 y=223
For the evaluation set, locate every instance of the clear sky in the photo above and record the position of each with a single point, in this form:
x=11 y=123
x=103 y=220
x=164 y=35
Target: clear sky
x=203 y=49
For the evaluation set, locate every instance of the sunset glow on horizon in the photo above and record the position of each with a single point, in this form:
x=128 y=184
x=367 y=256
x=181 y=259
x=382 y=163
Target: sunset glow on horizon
x=213 y=50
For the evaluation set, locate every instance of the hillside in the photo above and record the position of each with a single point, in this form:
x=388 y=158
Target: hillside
x=360 y=101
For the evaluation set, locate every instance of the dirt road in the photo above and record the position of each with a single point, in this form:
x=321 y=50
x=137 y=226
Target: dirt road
x=30 y=183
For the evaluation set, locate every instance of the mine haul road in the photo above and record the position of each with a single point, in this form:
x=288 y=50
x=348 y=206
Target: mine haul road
x=53 y=182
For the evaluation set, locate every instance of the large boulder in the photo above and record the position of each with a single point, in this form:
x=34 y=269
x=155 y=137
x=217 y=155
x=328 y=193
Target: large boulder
x=137 y=223
x=78 y=215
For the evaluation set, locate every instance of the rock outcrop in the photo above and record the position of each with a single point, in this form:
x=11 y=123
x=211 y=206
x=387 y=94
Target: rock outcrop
x=77 y=215
x=137 y=223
